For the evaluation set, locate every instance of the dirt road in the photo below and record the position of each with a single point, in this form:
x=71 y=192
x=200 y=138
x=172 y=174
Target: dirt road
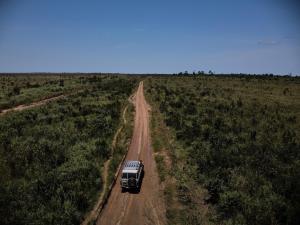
x=31 y=105
x=147 y=206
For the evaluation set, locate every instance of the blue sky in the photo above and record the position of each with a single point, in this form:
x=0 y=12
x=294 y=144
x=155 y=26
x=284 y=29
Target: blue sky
x=139 y=36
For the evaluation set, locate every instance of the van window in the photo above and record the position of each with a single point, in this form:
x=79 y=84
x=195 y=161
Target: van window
x=131 y=175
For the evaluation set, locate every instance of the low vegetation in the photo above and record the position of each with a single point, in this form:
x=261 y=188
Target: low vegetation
x=227 y=147
x=237 y=137
x=23 y=89
x=51 y=156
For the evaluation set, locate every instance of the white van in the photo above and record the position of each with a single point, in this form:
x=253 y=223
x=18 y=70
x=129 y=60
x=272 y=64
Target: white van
x=132 y=175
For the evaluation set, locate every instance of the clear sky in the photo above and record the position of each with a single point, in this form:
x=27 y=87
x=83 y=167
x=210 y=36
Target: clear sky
x=150 y=36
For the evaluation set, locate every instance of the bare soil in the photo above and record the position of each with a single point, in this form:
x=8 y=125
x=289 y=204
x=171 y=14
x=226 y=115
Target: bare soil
x=146 y=206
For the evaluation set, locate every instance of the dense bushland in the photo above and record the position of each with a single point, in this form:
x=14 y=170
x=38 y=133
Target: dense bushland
x=241 y=138
x=19 y=89
x=51 y=156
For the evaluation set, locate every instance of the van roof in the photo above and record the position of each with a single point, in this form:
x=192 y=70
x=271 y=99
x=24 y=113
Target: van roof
x=131 y=165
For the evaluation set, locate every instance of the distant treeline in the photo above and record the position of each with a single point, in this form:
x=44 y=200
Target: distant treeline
x=185 y=73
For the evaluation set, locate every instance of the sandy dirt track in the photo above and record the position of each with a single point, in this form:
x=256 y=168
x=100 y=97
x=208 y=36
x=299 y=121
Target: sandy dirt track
x=31 y=105
x=147 y=206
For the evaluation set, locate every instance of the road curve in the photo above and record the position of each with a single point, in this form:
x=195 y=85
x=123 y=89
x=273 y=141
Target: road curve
x=147 y=206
